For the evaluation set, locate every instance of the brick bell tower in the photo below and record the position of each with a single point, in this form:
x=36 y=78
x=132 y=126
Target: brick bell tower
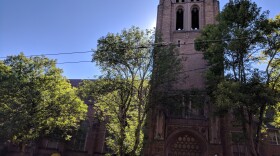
x=191 y=131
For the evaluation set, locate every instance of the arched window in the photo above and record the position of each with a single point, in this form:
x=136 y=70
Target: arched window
x=195 y=18
x=180 y=19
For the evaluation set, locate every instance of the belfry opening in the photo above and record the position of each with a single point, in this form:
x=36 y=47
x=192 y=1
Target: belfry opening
x=180 y=19
x=195 y=18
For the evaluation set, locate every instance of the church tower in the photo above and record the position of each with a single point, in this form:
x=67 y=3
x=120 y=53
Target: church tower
x=191 y=131
x=179 y=22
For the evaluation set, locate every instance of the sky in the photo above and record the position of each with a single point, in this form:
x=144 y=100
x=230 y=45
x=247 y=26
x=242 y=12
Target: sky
x=37 y=27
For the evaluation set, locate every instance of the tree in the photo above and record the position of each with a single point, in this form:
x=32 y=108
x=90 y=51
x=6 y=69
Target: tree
x=272 y=48
x=36 y=101
x=122 y=93
x=235 y=47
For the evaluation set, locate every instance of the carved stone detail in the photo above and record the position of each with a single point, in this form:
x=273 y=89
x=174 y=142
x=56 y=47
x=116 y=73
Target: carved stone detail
x=185 y=145
x=202 y=130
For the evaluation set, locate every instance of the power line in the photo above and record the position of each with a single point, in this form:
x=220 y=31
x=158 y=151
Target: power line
x=54 y=54
x=74 y=62
x=160 y=44
x=69 y=53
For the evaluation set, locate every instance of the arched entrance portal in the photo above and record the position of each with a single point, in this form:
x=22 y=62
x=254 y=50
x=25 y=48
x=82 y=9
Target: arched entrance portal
x=186 y=144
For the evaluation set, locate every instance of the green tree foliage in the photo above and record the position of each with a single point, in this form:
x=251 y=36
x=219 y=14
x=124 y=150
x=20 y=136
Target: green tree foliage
x=243 y=55
x=36 y=101
x=272 y=41
x=122 y=93
x=123 y=113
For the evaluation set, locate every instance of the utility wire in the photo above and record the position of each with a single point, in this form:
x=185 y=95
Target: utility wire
x=54 y=54
x=160 y=44
x=74 y=62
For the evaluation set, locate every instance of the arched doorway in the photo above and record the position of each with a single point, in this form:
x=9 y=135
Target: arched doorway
x=185 y=144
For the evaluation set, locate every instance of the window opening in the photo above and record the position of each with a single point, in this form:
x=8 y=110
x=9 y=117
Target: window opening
x=183 y=1
x=178 y=43
x=274 y=137
x=185 y=145
x=52 y=144
x=78 y=139
x=179 y=19
x=177 y=1
x=195 y=18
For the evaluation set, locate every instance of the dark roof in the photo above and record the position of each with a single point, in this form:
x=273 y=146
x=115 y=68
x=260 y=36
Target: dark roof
x=76 y=82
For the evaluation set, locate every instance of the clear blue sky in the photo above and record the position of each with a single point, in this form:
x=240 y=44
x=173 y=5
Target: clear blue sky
x=62 y=26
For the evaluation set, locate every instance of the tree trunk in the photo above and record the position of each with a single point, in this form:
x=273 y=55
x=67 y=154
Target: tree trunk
x=137 y=135
x=259 y=126
x=122 y=131
x=22 y=151
x=250 y=135
x=137 y=140
x=225 y=135
x=251 y=142
x=122 y=138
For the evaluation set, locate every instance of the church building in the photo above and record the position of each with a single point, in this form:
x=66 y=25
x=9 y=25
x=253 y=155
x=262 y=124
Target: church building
x=193 y=129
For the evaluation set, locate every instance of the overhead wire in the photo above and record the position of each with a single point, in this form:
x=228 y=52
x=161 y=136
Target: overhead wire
x=74 y=62
x=54 y=54
x=160 y=44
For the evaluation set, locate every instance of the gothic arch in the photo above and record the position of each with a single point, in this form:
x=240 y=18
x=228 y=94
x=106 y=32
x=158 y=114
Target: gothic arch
x=179 y=18
x=195 y=17
x=179 y=1
x=186 y=142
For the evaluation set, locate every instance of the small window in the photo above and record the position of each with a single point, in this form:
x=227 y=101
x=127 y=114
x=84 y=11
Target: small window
x=180 y=19
x=183 y=1
x=195 y=18
x=191 y=0
x=78 y=139
x=177 y=1
x=179 y=43
x=52 y=144
x=274 y=137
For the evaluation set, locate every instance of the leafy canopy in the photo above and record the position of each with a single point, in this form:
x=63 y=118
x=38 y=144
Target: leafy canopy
x=242 y=51
x=128 y=61
x=36 y=100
